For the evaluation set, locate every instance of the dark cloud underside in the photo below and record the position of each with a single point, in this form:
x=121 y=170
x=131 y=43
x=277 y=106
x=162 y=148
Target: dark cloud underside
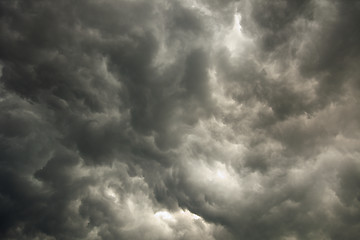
x=135 y=119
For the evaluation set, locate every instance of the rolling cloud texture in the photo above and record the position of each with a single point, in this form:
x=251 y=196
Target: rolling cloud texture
x=137 y=119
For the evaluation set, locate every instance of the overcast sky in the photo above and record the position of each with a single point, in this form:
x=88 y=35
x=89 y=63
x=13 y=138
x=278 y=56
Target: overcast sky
x=180 y=120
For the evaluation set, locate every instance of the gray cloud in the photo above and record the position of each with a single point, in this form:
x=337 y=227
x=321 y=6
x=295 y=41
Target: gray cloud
x=179 y=120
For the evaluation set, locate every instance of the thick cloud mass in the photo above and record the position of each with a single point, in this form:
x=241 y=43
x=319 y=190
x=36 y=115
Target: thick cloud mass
x=137 y=119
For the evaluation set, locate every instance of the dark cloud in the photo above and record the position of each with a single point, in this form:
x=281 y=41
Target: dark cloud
x=179 y=119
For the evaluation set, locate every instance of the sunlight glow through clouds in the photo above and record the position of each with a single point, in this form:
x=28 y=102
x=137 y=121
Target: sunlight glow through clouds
x=164 y=215
x=233 y=38
x=111 y=194
x=172 y=217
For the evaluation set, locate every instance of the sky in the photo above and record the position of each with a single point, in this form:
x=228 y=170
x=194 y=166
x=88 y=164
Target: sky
x=179 y=119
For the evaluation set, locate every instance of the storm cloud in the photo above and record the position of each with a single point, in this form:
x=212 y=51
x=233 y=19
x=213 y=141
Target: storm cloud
x=194 y=119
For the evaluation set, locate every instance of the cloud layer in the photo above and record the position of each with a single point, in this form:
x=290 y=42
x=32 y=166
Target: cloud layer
x=136 y=119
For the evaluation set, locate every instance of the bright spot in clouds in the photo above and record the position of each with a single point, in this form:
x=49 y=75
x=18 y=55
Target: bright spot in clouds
x=164 y=215
x=111 y=194
x=220 y=174
x=237 y=21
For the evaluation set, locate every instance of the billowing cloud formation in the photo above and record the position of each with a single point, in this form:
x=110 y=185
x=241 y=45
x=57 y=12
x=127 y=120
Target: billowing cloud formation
x=179 y=119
